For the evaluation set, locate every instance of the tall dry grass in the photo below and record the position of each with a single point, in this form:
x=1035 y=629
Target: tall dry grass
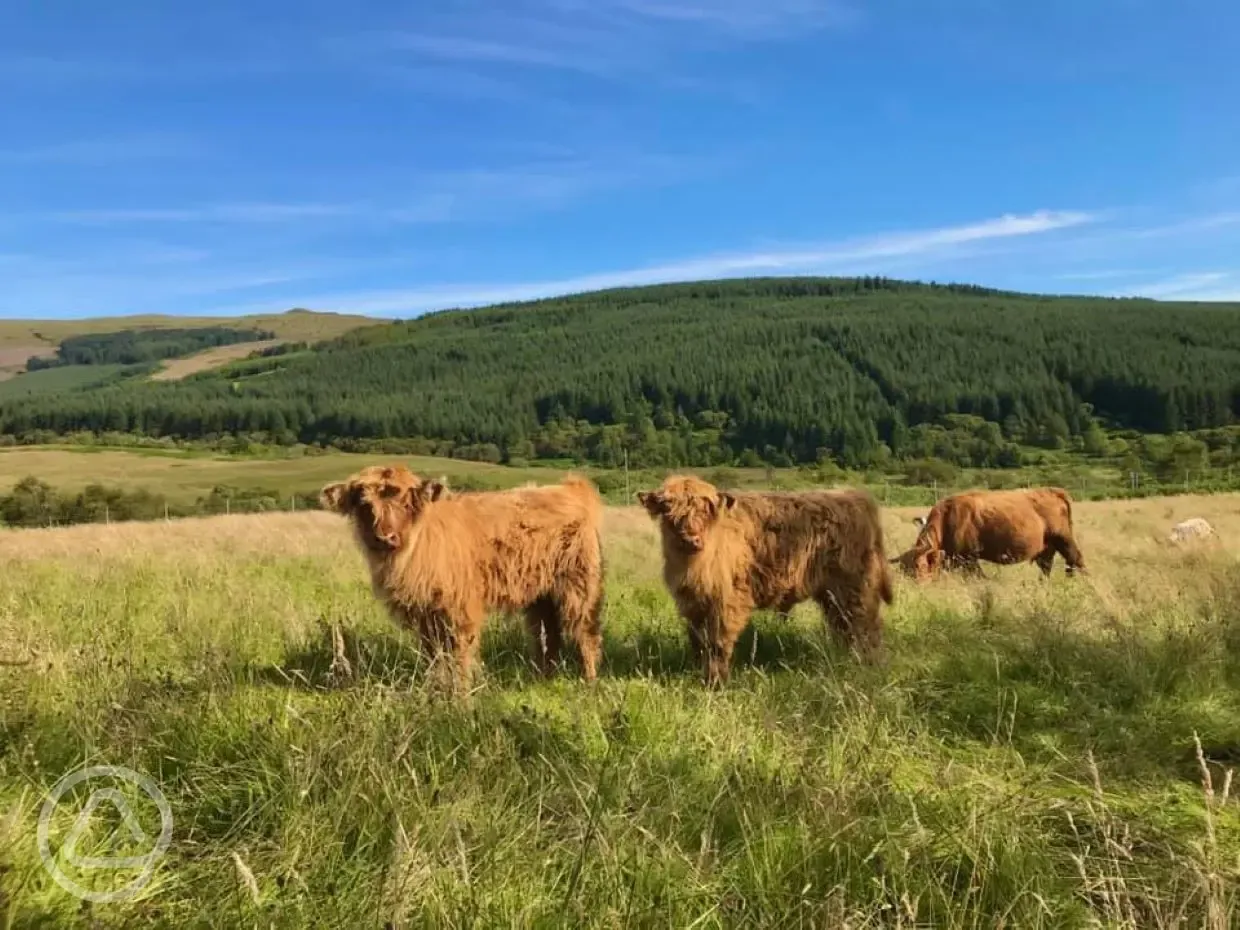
x=1031 y=754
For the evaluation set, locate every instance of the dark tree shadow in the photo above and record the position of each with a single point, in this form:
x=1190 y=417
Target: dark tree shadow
x=657 y=649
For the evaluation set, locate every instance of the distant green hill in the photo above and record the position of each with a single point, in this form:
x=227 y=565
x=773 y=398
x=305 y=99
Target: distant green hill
x=778 y=370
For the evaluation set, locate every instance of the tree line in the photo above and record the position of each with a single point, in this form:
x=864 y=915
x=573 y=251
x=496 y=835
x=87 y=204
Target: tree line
x=33 y=502
x=779 y=371
x=140 y=346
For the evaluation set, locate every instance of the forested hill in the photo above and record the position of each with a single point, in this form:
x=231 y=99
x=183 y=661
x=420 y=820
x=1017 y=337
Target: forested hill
x=781 y=369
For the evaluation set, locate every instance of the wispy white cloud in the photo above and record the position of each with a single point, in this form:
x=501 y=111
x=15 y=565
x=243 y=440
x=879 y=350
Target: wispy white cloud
x=458 y=82
x=103 y=151
x=839 y=257
x=490 y=51
x=467 y=195
x=1193 y=224
x=607 y=39
x=598 y=37
x=745 y=18
x=209 y=213
x=1100 y=275
x=145 y=278
x=1194 y=286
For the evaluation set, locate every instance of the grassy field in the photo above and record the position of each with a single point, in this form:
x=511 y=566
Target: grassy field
x=20 y=339
x=13 y=358
x=1025 y=756
x=295 y=325
x=177 y=368
x=184 y=477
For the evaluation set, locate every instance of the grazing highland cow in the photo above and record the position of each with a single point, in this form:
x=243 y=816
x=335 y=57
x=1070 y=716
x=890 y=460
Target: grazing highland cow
x=441 y=561
x=1004 y=527
x=725 y=554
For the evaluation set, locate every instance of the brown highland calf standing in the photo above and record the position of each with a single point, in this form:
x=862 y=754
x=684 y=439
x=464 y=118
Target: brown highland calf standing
x=726 y=554
x=1004 y=527
x=442 y=561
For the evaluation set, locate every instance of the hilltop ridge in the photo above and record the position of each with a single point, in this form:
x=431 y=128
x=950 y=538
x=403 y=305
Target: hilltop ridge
x=776 y=370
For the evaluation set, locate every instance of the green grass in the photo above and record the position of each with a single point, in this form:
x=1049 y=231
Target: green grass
x=1025 y=757
x=57 y=380
x=185 y=476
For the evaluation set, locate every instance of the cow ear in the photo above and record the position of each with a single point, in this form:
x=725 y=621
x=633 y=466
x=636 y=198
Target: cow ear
x=652 y=501
x=336 y=497
x=431 y=491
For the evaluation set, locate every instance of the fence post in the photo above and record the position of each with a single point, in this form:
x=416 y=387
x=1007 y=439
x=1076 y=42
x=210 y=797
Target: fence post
x=165 y=511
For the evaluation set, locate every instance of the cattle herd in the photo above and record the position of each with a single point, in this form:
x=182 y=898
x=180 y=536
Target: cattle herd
x=442 y=560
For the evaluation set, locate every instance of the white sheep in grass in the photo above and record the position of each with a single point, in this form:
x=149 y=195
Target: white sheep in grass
x=1191 y=529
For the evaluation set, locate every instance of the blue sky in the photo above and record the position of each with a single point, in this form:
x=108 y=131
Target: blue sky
x=388 y=158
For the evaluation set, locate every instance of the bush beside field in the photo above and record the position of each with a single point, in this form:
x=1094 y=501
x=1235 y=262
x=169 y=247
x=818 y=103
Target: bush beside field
x=1026 y=757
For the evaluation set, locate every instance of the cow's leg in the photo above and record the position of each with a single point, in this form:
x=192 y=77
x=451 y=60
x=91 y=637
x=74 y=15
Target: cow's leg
x=465 y=627
x=435 y=631
x=1066 y=546
x=1044 y=560
x=542 y=619
x=697 y=624
x=971 y=567
x=580 y=610
x=853 y=614
x=786 y=605
x=723 y=631
x=696 y=630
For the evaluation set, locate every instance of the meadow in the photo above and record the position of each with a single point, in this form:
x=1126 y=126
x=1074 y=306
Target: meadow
x=20 y=339
x=1029 y=754
x=184 y=476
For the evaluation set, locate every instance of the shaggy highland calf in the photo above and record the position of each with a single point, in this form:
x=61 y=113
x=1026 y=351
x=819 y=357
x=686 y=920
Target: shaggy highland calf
x=726 y=554
x=1004 y=527
x=441 y=561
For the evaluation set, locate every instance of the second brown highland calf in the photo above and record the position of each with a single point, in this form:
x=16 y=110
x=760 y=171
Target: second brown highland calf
x=726 y=554
x=442 y=561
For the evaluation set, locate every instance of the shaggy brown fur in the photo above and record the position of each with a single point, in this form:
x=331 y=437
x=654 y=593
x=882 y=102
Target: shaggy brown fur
x=441 y=561
x=1004 y=527
x=726 y=554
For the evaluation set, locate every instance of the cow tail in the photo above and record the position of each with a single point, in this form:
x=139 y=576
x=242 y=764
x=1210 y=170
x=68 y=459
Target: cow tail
x=602 y=572
x=1067 y=502
x=878 y=553
x=885 y=589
